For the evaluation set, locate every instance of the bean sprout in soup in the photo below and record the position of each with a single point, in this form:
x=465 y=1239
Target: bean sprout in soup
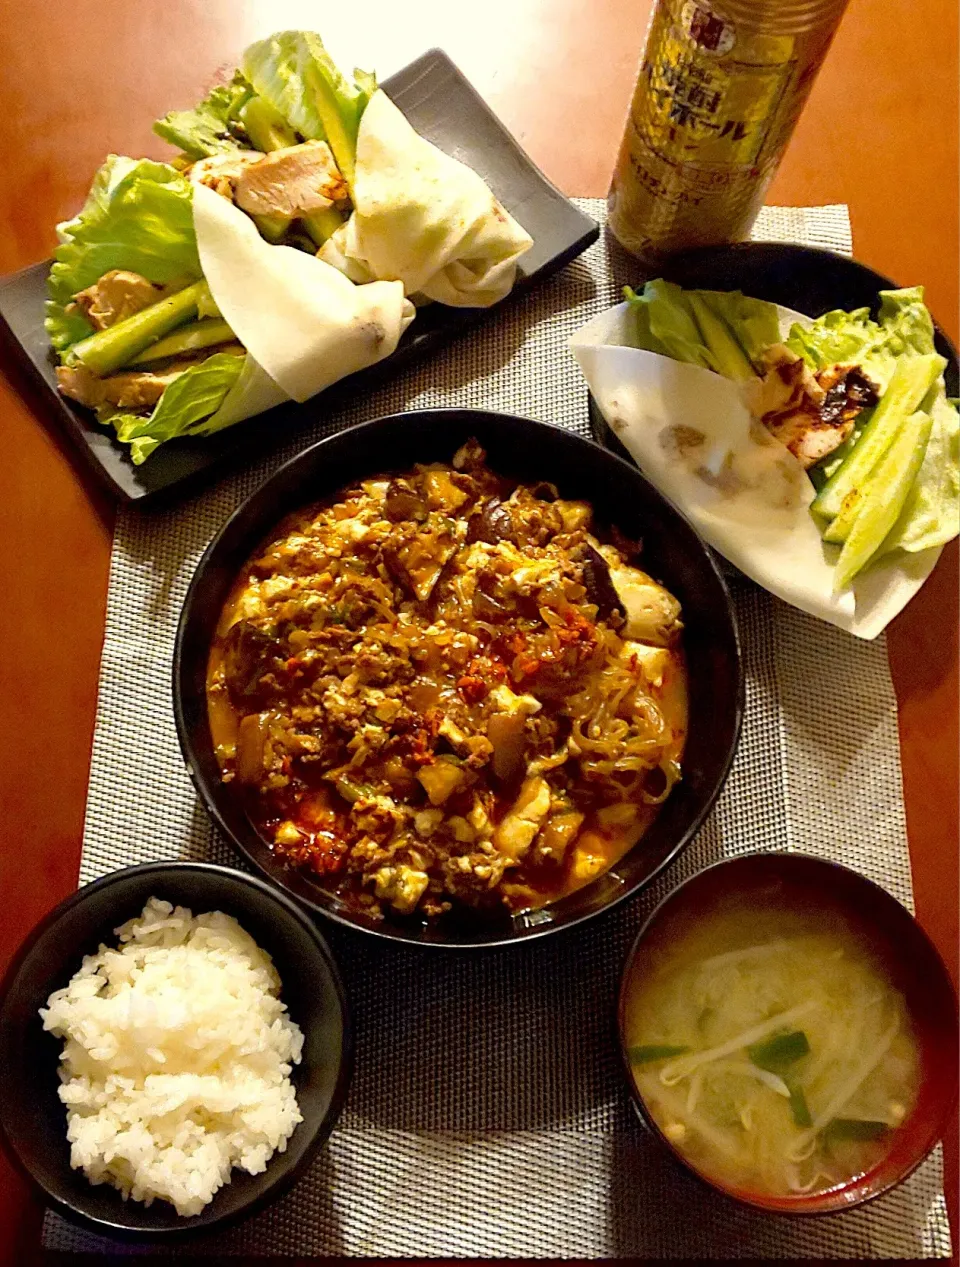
x=770 y=1048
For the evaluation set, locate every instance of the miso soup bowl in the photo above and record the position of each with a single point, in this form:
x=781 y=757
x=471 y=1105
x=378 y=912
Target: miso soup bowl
x=903 y=949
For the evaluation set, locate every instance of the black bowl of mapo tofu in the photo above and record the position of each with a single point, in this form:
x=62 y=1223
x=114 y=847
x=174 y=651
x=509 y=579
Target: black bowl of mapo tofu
x=458 y=678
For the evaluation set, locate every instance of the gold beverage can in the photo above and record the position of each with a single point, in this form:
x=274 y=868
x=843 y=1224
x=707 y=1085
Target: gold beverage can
x=721 y=86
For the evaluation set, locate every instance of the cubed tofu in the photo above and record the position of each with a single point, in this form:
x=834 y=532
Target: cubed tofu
x=652 y=662
x=401 y=886
x=440 y=780
x=515 y=834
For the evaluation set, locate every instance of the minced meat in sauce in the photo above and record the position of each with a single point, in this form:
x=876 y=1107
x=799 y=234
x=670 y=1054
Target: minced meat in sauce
x=447 y=687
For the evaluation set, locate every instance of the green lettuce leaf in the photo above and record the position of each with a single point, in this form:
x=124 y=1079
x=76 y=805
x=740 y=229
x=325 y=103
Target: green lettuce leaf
x=209 y=128
x=665 y=323
x=184 y=408
x=138 y=215
x=294 y=72
x=755 y=322
x=844 y=338
x=931 y=515
x=723 y=331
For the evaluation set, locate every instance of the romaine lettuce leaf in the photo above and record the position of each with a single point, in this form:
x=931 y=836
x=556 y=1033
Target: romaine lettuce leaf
x=724 y=331
x=666 y=324
x=294 y=72
x=206 y=129
x=183 y=408
x=138 y=215
x=845 y=338
x=931 y=515
x=754 y=322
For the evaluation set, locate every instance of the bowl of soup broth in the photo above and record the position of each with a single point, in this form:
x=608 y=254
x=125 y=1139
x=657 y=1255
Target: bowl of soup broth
x=789 y=1032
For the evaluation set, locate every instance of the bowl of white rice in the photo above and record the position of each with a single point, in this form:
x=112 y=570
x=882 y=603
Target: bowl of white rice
x=175 y=1049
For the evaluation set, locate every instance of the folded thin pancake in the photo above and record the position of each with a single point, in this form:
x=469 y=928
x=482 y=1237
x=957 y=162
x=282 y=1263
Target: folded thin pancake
x=303 y=323
x=423 y=218
x=746 y=494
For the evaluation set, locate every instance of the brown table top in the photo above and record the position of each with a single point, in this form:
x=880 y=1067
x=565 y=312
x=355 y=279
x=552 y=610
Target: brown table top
x=78 y=81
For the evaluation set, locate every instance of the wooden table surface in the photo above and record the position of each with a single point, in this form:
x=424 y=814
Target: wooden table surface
x=82 y=79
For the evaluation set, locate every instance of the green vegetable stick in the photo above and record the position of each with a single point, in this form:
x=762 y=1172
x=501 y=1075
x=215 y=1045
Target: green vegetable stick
x=779 y=1052
x=322 y=224
x=110 y=349
x=855 y=1128
x=646 y=1055
x=189 y=338
x=266 y=127
x=728 y=357
x=886 y=494
x=798 y=1105
x=911 y=380
x=838 y=529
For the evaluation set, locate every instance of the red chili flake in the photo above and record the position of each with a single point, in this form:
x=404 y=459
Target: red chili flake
x=326 y=854
x=473 y=689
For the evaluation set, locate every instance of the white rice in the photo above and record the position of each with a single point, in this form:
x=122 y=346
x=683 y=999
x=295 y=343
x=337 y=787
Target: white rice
x=177 y=1059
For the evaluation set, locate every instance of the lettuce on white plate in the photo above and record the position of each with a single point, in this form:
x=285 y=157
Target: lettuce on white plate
x=678 y=376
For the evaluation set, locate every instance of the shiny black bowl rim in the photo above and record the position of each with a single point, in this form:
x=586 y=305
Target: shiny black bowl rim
x=364 y=434
x=637 y=1100
x=228 y=876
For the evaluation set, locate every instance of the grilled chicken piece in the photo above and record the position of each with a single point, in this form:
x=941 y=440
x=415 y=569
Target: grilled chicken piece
x=806 y=435
x=291 y=182
x=131 y=389
x=811 y=415
x=222 y=172
x=116 y=296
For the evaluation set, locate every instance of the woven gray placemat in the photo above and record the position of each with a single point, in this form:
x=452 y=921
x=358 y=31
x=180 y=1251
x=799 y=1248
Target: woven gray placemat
x=487 y=1115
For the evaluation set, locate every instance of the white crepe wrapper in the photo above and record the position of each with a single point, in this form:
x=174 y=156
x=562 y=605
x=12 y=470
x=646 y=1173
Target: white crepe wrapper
x=304 y=324
x=424 y=218
x=743 y=491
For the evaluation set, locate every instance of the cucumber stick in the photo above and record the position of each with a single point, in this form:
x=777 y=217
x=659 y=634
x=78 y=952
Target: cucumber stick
x=880 y=507
x=729 y=358
x=911 y=380
x=111 y=349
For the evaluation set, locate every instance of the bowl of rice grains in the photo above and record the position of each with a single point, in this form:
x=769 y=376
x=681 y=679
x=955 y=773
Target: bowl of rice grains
x=175 y=1049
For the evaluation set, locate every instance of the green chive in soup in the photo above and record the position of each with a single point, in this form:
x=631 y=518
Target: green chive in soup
x=770 y=1048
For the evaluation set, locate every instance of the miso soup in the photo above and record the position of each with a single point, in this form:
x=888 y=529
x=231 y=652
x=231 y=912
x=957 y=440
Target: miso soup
x=770 y=1047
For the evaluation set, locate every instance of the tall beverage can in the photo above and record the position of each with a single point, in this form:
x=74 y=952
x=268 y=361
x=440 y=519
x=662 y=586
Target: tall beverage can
x=721 y=86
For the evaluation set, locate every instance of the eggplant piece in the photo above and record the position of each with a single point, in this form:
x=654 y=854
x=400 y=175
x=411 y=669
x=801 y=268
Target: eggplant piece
x=251 y=748
x=402 y=501
x=248 y=653
x=485 y=607
x=506 y=731
x=470 y=456
x=601 y=589
x=492 y=524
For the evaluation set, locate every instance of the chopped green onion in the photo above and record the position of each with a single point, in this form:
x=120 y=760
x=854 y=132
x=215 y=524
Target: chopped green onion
x=855 y=1128
x=798 y=1105
x=646 y=1055
x=779 y=1052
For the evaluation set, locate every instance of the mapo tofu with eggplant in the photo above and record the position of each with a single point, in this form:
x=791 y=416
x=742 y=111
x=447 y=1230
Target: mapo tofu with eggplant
x=446 y=687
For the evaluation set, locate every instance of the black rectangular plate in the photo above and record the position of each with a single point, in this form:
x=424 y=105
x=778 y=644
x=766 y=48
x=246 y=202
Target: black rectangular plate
x=447 y=110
